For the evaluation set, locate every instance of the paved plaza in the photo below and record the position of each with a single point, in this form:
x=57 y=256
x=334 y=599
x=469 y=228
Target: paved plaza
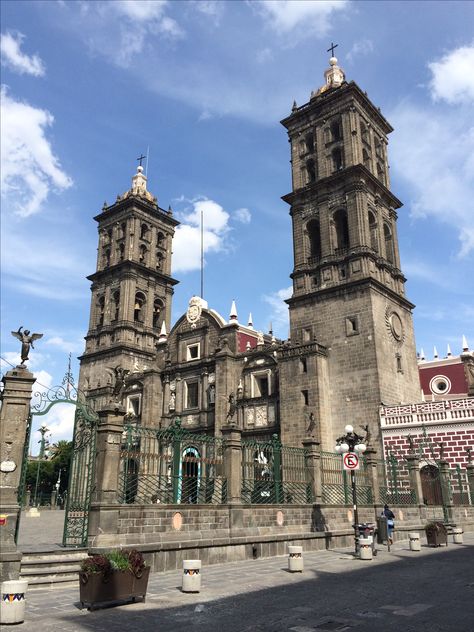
x=432 y=590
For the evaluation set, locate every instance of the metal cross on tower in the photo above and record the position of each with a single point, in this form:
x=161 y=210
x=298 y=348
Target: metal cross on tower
x=331 y=48
x=140 y=158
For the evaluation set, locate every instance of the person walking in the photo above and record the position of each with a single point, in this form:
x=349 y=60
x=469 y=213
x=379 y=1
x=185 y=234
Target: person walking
x=390 y=516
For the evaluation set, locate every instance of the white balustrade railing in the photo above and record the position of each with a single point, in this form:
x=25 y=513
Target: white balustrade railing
x=443 y=411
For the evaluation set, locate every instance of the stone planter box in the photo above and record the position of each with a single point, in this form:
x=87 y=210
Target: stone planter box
x=97 y=589
x=436 y=534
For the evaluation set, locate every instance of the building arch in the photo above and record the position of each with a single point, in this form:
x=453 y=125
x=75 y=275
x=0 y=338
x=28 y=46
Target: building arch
x=190 y=475
x=341 y=229
x=314 y=238
x=389 y=247
x=373 y=231
x=139 y=307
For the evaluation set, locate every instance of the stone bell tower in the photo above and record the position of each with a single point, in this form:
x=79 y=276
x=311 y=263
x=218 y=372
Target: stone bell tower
x=348 y=288
x=131 y=289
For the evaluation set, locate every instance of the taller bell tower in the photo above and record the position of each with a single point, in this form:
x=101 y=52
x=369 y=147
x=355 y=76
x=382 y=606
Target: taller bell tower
x=132 y=287
x=348 y=288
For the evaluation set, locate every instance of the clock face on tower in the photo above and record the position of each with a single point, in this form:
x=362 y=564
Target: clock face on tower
x=394 y=325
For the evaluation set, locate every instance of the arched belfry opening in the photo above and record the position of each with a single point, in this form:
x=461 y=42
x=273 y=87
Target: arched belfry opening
x=341 y=229
x=314 y=238
x=389 y=248
x=374 y=244
x=139 y=308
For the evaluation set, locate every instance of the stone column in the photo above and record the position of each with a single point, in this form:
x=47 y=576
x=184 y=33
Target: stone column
x=16 y=398
x=313 y=468
x=103 y=520
x=470 y=480
x=444 y=473
x=415 y=478
x=371 y=460
x=232 y=437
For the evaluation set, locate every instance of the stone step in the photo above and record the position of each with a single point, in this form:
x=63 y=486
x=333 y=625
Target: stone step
x=52 y=568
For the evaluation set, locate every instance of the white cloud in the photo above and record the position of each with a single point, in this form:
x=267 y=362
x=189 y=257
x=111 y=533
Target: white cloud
x=243 y=215
x=307 y=16
x=187 y=239
x=359 y=49
x=438 y=166
x=123 y=29
x=60 y=424
x=279 y=313
x=12 y=57
x=75 y=346
x=139 y=10
x=29 y=167
x=453 y=76
x=264 y=55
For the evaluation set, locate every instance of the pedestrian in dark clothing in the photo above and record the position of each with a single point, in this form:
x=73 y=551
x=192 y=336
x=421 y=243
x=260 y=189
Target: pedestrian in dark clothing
x=388 y=513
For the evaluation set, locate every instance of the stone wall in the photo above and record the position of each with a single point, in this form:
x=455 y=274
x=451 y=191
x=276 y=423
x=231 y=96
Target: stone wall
x=167 y=534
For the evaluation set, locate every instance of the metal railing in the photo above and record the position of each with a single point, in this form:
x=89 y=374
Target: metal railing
x=171 y=466
x=274 y=474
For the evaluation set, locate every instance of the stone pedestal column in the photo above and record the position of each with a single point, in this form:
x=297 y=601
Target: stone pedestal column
x=414 y=474
x=371 y=460
x=233 y=463
x=103 y=520
x=470 y=480
x=16 y=399
x=446 y=489
x=313 y=468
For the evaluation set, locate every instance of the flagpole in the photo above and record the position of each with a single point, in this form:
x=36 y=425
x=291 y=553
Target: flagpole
x=202 y=254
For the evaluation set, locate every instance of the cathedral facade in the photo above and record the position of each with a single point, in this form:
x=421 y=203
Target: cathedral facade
x=351 y=343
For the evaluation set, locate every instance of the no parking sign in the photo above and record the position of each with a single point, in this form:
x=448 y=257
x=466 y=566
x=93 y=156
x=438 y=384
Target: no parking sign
x=350 y=461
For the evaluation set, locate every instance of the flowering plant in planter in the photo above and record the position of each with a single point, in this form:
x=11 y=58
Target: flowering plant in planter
x=118 y=575
x=436 y=533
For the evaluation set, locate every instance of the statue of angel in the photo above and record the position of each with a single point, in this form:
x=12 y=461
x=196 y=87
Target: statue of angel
x=26 y=338
x=119 y=381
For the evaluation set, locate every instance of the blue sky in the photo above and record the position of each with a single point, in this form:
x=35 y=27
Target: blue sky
x=87 y=87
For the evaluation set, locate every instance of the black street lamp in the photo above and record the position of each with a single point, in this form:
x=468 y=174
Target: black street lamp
x=353 y=443
x=43 y=430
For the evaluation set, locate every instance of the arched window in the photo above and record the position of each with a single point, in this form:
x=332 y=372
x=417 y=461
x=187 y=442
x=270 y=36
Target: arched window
x=366 y=158
x=123 y=229
x=342 y=229
x=139 y=308
x=314 y=235
x=159 y=260
x=121 y=252
x=309 y=143
x=310 y=171
x=116 y=304
x=389 y=251
x=336 y=130
x=101 y=310
x=160 y=240
x=373 y=232
x=157 y=313
x=337 y=162
x=142 y=254
x=144 y=231
x=109 y=235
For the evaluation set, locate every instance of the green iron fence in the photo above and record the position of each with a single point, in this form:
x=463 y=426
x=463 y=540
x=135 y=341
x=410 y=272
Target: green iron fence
x=274 y=474
x=336 y=482
x=394 y=482
x=460 y=486
x=171 y=466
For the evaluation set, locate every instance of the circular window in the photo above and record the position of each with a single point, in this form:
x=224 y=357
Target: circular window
x=440 y=385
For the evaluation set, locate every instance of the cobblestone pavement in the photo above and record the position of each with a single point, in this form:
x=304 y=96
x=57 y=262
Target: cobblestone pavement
x=402 y=590
x=44 y=531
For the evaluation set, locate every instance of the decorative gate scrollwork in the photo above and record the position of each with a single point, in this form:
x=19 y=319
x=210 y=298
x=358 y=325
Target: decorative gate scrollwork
x=81 y=474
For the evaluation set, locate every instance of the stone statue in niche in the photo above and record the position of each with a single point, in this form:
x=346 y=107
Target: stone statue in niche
x=211 y=395
x=172 y=401
x=311 y=424
x=26 y=339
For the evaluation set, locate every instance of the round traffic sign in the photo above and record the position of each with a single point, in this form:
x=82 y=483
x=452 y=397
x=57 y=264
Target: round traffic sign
x=351 y=461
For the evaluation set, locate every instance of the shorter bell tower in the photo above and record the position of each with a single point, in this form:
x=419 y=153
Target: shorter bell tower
x=132 y=287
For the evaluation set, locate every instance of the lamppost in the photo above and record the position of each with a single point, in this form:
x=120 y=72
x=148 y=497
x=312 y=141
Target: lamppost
x=353 y=443
x=42 y=430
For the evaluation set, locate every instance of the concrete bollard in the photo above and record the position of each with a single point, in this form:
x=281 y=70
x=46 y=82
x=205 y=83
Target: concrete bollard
x=457 y=535
x=365 y=548
x=13 y=601
x=415 y=543
x=295 y=559
x=191 y=576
